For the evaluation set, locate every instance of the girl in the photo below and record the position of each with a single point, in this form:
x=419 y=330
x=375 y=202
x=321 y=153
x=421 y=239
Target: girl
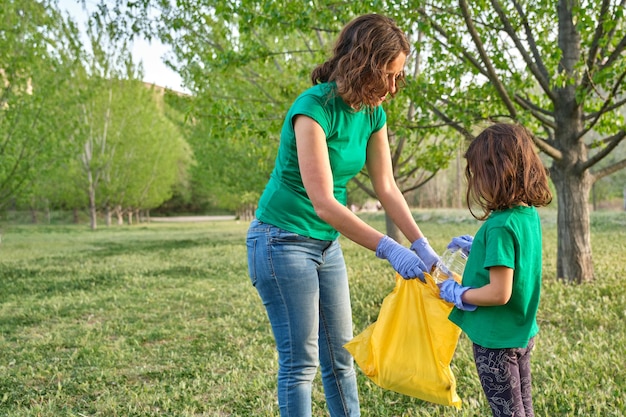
x=496 y=304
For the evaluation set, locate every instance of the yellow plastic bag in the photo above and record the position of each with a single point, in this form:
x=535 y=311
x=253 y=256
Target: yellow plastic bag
x=410 y=347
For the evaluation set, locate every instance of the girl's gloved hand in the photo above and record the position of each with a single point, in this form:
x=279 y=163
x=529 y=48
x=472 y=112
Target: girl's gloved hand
x=422 y=248
x=462 y=242
x=403 y=260
x=452 y=292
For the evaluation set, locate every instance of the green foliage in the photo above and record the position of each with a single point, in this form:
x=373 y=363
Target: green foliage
x=34 y=70
x=259 y=55
x=244 y=77
x=162 y=320
x=55 y=111
x=245 y=63
x=150 y=155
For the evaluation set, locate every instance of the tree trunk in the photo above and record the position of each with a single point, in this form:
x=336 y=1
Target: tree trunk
x=119 y=213
x=573 y=188
x=574 y=261
x=92 y=204
x=109 y=216
x=392 y=230
x=459 y=192
x=573 y=183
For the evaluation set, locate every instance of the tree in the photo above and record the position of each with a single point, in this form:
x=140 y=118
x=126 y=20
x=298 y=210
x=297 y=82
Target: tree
x=151 y=157
x=556 y=67
x=33 y=71
x=130 y=154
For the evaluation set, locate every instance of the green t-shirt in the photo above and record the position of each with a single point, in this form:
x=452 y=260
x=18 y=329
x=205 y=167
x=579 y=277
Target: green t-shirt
x=285 y=203
x=510 y=238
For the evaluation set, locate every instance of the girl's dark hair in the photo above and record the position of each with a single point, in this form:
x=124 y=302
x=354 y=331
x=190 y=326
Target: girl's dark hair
x=364 y=49
x=503 y=170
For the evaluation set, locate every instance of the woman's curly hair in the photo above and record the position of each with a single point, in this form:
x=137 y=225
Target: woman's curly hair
x=364 y=49
x=503 y=170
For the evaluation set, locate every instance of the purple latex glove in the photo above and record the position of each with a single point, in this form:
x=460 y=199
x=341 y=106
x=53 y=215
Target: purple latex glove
x=403 y=260
x=452 y=292
x=425 y=253
x=462 y=242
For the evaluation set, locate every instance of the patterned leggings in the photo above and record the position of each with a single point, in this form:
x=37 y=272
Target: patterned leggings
x=505 y=377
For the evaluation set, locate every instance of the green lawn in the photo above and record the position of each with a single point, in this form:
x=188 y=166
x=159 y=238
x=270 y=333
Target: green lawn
x=161 y=320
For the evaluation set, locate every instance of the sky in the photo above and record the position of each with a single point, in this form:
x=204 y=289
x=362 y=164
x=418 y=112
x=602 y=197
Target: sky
x=150 y=53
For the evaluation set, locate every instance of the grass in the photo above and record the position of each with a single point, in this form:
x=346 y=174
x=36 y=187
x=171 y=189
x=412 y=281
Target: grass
x=161 y=320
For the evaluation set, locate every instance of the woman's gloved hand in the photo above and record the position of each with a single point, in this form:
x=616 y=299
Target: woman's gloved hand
x=462 y=242
x=403 y=260
x=423 y=250
x=452 y=292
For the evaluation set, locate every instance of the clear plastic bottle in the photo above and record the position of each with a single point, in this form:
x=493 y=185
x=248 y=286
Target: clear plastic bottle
x=450 y=265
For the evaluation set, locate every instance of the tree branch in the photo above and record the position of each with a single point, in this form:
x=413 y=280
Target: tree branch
x=610 y=108
x=617 y=52
x=456 y=126
x=595 y=43
x=419 y=183
x=9 y=129
x=364 y=187
x=400 y=142
x=536 y=66
x=537 y=112
x=619 y=48
x=464 y=54
x=261 y=88
x=493 y=77
x=531 y=40
x=546 y=148
x=612 y=143
x=605 y=105
x=604 y=172
x=279 y=68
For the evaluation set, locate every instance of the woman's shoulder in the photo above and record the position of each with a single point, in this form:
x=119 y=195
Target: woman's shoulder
x=316 y=95
x=322 y=97
x=319 y=90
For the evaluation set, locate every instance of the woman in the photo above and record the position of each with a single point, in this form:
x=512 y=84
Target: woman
x=295 y=261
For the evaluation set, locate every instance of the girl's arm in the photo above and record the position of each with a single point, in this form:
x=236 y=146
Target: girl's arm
x=496 y=293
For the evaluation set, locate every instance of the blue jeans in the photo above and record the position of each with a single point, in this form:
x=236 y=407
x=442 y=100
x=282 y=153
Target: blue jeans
x=304 y=286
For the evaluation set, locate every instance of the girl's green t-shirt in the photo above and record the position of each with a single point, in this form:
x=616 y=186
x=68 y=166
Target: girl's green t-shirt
x=284 y=202
x=510 y=238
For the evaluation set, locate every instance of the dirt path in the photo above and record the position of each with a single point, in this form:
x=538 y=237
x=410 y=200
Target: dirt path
x=182 y=219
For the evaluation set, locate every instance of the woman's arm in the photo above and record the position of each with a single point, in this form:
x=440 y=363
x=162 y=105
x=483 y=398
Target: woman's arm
x=318 y=181
x=317 y=178
x=384 y=183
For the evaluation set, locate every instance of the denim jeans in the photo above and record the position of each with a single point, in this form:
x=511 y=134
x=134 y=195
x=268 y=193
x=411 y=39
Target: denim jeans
x=304 y=286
